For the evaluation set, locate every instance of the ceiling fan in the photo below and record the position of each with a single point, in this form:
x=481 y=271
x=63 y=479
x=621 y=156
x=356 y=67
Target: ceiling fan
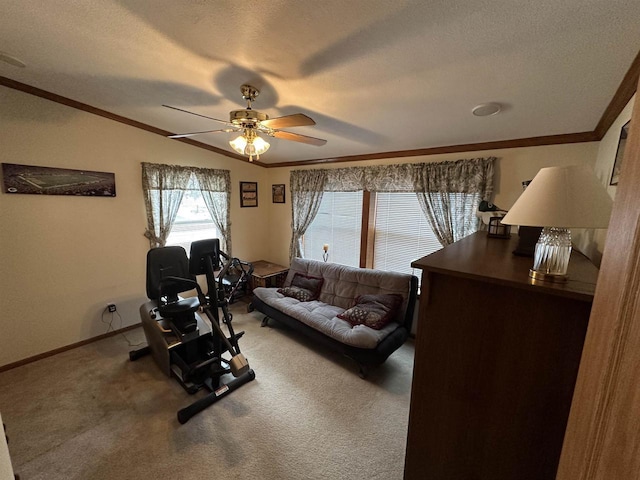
x=250 y=123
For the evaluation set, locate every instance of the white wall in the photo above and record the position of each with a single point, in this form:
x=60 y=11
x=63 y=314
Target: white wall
x=512 y=167
x=592 y=242
x=63 y=258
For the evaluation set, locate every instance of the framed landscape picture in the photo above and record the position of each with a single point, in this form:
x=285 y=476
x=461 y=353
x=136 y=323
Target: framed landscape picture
x=278 y=193
x=248 y=194
x=617 y=164
x=57 y=181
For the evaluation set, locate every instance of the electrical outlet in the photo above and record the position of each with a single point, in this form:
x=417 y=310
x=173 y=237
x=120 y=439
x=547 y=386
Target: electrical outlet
x=111 y=307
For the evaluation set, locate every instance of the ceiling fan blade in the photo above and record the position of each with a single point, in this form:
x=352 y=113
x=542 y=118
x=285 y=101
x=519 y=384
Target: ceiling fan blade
x=197 y=114
x=183 y=135
x=295 y=120
x=299 y=138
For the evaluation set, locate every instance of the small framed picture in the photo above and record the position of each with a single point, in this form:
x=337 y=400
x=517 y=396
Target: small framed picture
x=278 y=193
x=248 y=194
x=617 y=164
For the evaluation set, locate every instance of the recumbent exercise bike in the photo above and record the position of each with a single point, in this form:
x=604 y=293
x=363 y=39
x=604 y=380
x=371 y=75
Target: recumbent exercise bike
x=182 y=344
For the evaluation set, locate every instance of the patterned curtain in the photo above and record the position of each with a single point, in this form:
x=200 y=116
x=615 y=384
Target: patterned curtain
x=307 y=187
x=215 y=186
x=449 y=194
x=163 y=187
x=380 y=178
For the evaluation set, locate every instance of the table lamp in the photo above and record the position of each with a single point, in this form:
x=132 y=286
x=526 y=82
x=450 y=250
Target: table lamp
x=559 y=198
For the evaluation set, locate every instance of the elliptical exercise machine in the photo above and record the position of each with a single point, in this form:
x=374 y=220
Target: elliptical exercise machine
x=182 y=344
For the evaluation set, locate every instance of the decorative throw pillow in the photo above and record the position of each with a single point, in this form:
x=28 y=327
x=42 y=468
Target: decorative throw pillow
x=374 y=311
x=301 y=294
x=313 y=284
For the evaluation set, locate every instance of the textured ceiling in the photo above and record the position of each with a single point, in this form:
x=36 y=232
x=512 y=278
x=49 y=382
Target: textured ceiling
x=376 y=75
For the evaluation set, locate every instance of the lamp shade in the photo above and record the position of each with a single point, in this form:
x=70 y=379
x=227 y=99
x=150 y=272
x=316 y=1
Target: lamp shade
x=238 y=144
x=260 y=145
x=566 y=197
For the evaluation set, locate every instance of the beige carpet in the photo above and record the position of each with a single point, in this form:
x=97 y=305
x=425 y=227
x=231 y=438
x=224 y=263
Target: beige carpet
x=89 y=413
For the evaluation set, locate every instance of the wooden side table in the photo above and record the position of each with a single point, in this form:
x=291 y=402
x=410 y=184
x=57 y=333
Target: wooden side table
x=267 y=274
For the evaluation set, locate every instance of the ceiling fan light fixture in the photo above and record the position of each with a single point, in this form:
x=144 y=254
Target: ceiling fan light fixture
x=250 y=144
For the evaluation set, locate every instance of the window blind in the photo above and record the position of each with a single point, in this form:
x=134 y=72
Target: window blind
x=338 y=224
x=402 y=233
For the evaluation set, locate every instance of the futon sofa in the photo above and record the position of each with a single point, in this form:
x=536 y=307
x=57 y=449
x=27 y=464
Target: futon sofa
x=365 y=314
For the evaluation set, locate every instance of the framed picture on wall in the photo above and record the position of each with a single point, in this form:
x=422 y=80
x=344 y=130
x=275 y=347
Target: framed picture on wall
x=617 y=164
x=57 y=181
x=248 y=194
x=278 y=193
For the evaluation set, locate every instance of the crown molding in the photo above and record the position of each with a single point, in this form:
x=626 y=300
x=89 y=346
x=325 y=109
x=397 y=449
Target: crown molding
x=468 y=147
x=622 y=96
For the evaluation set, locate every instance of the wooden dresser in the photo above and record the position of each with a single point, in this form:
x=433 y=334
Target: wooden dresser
x=496 y=361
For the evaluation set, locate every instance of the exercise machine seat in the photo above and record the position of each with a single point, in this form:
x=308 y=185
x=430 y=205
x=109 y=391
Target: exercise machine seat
x=168 y=276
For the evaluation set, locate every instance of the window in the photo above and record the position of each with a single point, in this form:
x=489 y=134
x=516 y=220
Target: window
x=193 y=221
x=398 y=232
x=182 y=197
x=338 y=224
x=394 y=228
x=402 y=234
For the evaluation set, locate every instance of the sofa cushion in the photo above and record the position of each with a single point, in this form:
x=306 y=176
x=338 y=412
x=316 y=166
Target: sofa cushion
x=303 y=287
x=308 y=282
x=374 y=311
x=299 y=293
